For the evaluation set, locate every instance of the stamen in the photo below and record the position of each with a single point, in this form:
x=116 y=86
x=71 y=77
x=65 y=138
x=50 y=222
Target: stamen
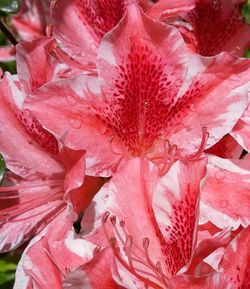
x=201 y=149
x=105 y=217
x=113 y=220
x=96 y=250
x=122 y=223
x=132 y=257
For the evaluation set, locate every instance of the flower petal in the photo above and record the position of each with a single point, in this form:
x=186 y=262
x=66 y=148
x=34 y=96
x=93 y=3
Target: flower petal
x=89 y=21
x=22 y=137
x=166 y=9
x=76 y=123
x=175 y=205
x=226 y=186
x=227 y=148
x=236 y=261
x=218 y=26
x=241 y=131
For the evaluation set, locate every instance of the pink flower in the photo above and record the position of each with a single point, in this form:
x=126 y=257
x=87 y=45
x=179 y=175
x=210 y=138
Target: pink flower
x=56 y=252
x=233 y=268
x=43 y=179
x=80 y=34
x=152 y=98
x=32 y=19
x=217 y=26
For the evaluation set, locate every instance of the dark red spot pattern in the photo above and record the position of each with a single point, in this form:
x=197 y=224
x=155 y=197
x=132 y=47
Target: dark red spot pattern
x=177 y=247
x=38 y=134
x=101 y=15
x=214 y=24
x=142 y=103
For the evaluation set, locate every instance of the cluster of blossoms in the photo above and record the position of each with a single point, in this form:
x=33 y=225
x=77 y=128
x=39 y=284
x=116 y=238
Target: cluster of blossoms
x=126 y=133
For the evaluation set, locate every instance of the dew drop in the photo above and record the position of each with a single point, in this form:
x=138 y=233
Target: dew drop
x=220 y=175
x=93 y=46
x=192 y=107
x=71 y=100
x=223 y=203
x=76 y=123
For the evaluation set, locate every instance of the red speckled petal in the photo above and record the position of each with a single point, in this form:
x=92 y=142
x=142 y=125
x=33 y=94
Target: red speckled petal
x=236 y=261
x=142 y=67
x=156 y=89
x=25 y=144
x=164 y=9
x=241 y=131
x=218 y=26
x=175 y=204
x=225 y=196
x=89 y=21
x=76 y=124
x=226 y=148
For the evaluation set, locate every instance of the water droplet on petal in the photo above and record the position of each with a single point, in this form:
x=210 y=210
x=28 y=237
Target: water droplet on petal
x=192 y=107
x=71 y=100
x=93 y=46
x=220 y=175
x=223 y=203
x=76 y=123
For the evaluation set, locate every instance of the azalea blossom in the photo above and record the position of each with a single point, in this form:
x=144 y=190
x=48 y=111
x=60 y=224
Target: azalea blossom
x=152 y=97
x=217 y=26
x=43 y=177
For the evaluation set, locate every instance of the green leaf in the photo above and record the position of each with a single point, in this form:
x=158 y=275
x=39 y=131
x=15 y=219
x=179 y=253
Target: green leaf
x=2 y=168
x=6 y=266
x=245 y=12
x=8 y=7
x=6 y=277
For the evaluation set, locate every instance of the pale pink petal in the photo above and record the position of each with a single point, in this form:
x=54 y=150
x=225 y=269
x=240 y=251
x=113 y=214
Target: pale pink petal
x=165 y=9
x=89 y=21
x=241 y=131
x=227 y=148
x=225 y=197
x=214 y=281
x=218 y=26
x=17 y=230
x=95 y=274
x=22 y=136
x=206 y=247
x=36 y=263
x=7 y=53
x=236 y=261
x=32 y=19
x=176 y=205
